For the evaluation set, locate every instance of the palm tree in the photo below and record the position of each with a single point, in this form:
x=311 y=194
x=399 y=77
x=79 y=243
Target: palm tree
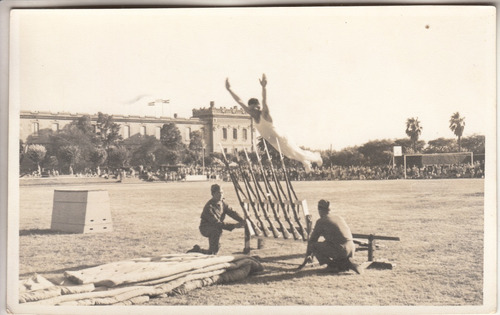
x=413 y=130
x=457 y=125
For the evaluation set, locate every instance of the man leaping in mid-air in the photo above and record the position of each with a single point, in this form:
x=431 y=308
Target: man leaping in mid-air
x=264 y=124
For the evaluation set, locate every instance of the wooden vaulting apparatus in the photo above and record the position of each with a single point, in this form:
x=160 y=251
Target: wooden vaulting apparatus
x=271 y=208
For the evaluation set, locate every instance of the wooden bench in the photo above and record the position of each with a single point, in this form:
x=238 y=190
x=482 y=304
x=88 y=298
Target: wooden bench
x=370 y=247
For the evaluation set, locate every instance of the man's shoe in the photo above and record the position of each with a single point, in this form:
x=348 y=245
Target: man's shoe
x=356 y=268
x=332 y=268
x=343 y=265
x=195 y=249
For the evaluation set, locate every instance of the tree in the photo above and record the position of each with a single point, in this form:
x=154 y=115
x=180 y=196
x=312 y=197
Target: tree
x=163 y=155
x=216 y=159
x=97 y=156
x=196 y=142
x=174 y=148
x=347 y=157
x=73 y=136
x=196 y=145
x=171 y=137
x=69 y=155
x=407 y=145
x=36 y=153
x=84 y=124
x=413 y=130
x=377 y=152
x=457 y=125
x=51 y=162
x=440 y=145
x=118 y=157
x=21 y=150
x=108 y=131
x=474 y=143
x=142 y=150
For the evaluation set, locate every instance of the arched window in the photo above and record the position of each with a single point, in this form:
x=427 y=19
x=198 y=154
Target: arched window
x=34 y=128
x=126 y=132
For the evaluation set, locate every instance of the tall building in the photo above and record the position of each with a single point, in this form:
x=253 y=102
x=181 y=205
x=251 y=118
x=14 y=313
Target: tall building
x=230 y=128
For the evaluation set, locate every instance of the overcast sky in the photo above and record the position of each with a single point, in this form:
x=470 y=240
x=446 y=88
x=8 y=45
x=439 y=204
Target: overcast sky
x=336 y=76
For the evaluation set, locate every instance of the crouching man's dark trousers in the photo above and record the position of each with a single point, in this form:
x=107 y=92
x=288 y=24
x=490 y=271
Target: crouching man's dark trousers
x=327 y=252
x=213 y=233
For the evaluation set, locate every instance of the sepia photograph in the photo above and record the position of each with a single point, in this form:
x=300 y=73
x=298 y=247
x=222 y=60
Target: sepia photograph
x=288 y=159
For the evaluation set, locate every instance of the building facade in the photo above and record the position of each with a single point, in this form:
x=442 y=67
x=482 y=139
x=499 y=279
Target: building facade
x=229 y=128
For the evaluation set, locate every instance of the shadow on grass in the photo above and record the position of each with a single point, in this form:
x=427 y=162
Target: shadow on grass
x=276 y=268
x=41 y=232
x=291 y=274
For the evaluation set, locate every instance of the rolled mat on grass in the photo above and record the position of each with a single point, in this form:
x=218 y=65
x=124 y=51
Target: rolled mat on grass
x=135 y=281
x=45 y=289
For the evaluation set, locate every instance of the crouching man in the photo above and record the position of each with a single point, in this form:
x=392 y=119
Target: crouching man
x=338 y=248
x=212 y=221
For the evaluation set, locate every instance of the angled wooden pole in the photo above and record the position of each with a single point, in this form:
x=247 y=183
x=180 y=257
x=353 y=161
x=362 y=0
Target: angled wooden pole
x=251 y=201
x=269 y=196
x=239 y=194
x=293 y=198
x=258 y=191
x=279 y=193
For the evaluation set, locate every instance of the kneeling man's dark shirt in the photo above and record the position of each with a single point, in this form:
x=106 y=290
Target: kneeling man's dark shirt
x=214 y=213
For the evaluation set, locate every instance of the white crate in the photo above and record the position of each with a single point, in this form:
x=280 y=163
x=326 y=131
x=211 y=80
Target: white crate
x=81 y=211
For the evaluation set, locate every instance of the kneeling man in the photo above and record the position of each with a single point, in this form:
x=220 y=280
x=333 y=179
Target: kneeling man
x=338 y=248
x=212 y=221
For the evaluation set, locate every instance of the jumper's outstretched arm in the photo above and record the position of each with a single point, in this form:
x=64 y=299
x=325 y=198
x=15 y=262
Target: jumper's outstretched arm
x=265 y=108
x=236 y=97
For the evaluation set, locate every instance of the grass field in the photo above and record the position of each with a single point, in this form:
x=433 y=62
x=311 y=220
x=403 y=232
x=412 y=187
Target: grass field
x=439 y=260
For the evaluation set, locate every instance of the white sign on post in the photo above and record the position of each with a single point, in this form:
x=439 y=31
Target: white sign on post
x=398 y=151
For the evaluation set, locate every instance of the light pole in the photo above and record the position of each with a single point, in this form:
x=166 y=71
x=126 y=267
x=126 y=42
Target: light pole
x=251 y=133
x=203 y=156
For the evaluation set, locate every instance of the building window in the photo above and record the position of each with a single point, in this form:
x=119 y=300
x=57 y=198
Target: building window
x=224 y=133
x=142 y=131
x=225 y=150
x=126 y=132
x=235 y=151
x=245 y=134
x=55 y=127
x=158 y=133
x=34 y=128
x=235 y=133
x=188 y=133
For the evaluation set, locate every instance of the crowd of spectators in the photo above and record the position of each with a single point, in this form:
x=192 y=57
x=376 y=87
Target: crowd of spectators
x=475 y=170
x=385 y=172
x=218 y=172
